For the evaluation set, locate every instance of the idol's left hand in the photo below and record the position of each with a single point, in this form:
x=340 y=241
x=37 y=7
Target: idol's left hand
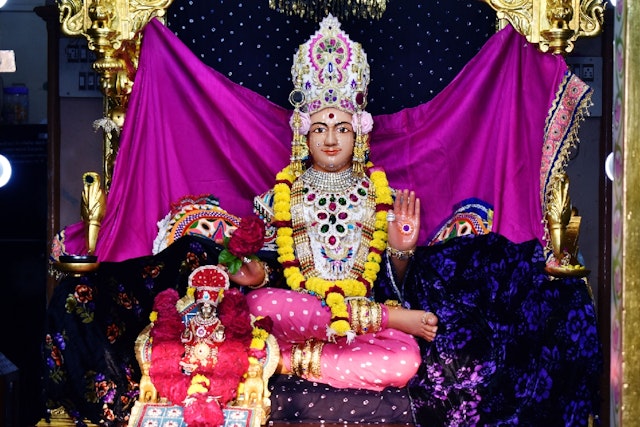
x=251 y=273
x=404 y=221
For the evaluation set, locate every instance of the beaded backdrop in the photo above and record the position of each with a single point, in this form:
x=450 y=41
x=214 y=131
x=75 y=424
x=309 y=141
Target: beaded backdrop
x=414 y=50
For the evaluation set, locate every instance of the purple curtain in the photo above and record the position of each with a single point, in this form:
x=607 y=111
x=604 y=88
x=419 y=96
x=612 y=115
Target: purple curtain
x=492 y=133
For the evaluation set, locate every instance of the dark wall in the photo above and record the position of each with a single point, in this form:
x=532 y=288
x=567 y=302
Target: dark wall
x=23 y=219
x=414 y=50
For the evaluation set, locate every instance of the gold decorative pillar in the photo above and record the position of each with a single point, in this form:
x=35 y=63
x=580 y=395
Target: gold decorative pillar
x=553 y=25
x=111 y=28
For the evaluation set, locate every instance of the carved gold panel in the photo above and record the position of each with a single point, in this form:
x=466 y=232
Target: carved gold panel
x=111 y=28
x=553 y=25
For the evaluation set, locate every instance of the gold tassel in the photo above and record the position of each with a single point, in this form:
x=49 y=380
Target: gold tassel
x=299 y=149
x=360 y=151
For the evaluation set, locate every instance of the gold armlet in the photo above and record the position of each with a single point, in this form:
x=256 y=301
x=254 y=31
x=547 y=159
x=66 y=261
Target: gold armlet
x=398 y=254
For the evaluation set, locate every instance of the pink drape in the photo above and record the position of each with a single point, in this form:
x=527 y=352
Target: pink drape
x=189 y=131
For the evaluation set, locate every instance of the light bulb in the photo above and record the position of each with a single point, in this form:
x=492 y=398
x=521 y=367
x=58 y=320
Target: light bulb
x=5 y=169
x=609 y=167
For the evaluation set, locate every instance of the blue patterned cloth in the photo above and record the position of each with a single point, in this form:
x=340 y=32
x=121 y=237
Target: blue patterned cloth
x=514 y=347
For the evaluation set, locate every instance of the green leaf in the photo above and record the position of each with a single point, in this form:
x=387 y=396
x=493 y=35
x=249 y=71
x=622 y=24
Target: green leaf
x=234 y=266
x=226 y=257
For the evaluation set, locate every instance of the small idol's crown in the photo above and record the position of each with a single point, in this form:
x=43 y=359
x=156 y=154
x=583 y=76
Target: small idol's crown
x=208 y=281
x=330 y=70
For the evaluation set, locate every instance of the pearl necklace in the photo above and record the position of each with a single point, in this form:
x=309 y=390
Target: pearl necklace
x=330 y=182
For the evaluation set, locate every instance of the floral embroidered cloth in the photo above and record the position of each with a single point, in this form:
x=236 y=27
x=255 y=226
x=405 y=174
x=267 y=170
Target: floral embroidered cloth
x=513 y=346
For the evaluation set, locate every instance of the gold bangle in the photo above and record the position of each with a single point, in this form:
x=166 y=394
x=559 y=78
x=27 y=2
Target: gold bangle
x=376 y=316
x=315 y=366
x=306 y=359
x=392 y=303
x=398 y=254
x=365 y=317
x=296 y=358
x=355 y=321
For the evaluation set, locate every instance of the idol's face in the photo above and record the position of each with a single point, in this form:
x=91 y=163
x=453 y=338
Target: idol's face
x=331 y=139
x=207 y=310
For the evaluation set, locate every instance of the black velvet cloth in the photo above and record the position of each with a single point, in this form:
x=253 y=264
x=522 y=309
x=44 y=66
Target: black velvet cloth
x=93 y=321
x=513 y=346
x=298 y=400
x=415 y=49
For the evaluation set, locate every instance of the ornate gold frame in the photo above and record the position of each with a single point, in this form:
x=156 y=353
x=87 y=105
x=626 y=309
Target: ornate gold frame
x=111 y=28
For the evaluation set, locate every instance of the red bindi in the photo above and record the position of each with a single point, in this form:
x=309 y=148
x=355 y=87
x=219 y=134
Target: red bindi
x=331 y=116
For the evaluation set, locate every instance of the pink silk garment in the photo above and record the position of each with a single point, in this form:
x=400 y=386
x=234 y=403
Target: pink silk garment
x=496 y=133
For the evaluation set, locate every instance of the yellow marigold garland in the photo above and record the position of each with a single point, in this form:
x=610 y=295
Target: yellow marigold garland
x=317 y=285
x=258 y=336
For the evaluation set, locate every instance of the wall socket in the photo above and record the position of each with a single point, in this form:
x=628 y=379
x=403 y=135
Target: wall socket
x=589 y=70
x=78 y=79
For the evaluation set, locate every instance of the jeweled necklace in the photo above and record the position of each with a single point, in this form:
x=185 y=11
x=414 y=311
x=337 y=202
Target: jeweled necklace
x=332 y=292
x=332 y=223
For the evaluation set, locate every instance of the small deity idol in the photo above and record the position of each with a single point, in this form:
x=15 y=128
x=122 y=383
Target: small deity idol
x=204 y=332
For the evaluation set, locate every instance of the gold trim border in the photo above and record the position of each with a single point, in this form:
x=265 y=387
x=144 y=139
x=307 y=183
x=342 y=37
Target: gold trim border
x=630 y=204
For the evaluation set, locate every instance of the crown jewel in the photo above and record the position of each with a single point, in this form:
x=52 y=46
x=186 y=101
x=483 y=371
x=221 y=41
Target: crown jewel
x=330 y=70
